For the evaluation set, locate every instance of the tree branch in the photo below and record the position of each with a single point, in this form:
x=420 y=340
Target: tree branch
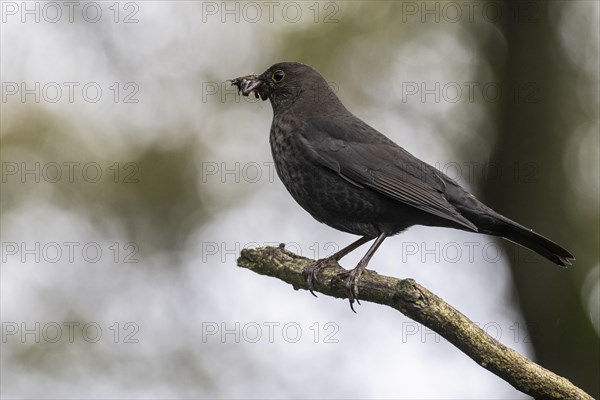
x=419 y=304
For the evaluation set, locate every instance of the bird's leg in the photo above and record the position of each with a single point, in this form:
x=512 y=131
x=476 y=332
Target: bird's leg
x=354 y=275
x=311 y=271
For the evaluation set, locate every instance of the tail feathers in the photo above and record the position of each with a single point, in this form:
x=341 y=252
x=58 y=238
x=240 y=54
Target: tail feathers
x=514 y=232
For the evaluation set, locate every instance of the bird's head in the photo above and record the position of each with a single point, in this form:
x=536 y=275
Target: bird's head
x=286 y=83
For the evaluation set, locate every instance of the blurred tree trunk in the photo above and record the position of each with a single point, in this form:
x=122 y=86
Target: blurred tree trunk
x=537 y=115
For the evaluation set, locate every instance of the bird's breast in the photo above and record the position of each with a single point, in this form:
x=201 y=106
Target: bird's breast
x=289 y=154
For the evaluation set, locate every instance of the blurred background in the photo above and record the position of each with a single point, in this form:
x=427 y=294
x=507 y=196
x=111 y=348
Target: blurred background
x=133 y=174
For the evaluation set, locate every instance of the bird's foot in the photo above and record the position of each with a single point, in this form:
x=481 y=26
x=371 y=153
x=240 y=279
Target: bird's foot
x=352 y=278
x=310 y=272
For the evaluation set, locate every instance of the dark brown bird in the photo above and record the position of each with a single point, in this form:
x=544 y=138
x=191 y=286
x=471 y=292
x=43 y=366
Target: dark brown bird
x=351 y=177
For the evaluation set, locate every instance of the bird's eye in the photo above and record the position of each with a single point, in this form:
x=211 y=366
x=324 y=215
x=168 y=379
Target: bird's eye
x=278 y=76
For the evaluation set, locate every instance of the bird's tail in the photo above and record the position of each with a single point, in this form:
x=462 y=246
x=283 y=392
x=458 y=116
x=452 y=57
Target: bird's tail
x=519 y=234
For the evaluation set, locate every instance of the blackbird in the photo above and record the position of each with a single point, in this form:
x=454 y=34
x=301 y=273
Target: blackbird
x=351 y=177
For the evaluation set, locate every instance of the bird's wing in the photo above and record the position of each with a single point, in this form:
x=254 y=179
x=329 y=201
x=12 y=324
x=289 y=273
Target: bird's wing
x=365 y=157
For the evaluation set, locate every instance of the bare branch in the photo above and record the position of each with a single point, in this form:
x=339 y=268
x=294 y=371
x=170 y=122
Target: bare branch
x=419 y=304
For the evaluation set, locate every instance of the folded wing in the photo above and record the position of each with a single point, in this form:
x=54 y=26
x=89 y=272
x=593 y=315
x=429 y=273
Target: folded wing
x=365 y=157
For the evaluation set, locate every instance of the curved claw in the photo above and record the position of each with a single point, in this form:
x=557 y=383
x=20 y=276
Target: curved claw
x=310 y=277
x=352 y=280
x=311 y=271
x=352 y=306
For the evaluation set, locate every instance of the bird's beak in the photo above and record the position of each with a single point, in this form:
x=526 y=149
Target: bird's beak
x=249 y=84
